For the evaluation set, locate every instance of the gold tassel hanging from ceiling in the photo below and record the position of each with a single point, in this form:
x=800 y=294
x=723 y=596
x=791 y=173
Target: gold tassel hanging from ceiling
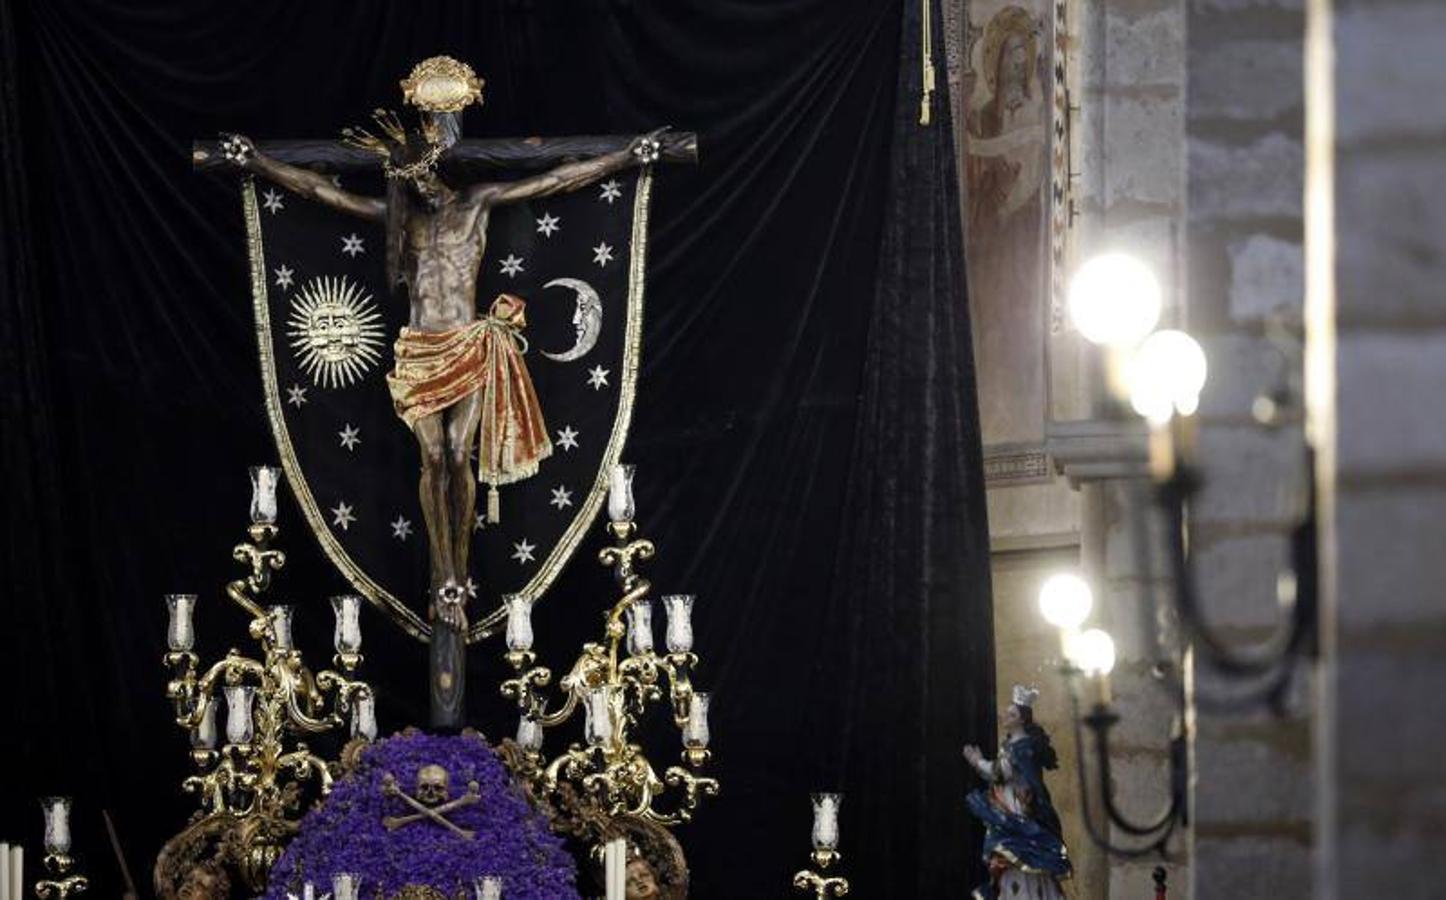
x=927 y=59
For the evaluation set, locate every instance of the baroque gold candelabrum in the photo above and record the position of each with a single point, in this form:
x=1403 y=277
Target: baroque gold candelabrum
x=614 y=683
x=257 y=776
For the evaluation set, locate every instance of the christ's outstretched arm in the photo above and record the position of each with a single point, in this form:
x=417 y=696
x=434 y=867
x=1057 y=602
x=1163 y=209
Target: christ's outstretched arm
x=309 y=184
x=566 y=177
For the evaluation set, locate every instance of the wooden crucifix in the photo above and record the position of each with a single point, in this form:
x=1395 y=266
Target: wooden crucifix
x=436 y=237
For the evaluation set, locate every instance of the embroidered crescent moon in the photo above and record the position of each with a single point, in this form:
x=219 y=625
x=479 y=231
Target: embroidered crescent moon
x=587 y=318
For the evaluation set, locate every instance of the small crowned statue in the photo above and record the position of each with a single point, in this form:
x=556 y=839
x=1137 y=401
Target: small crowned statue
x=1023 y=844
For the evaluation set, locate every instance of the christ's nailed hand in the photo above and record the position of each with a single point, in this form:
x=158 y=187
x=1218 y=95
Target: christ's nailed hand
x=238 y=149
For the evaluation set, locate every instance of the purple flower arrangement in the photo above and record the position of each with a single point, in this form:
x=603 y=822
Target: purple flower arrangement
x=345 y=833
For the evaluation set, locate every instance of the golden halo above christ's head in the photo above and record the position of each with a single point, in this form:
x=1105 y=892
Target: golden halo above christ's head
x=442 y=84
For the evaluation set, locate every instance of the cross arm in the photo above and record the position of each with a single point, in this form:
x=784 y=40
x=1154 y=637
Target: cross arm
x=468 y=155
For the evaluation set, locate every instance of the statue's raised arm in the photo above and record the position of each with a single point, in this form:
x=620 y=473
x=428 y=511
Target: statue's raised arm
x=643 y=150
x=313 y=185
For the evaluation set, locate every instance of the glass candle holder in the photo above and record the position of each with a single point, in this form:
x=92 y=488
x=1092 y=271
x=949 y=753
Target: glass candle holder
x=695 y=729
x=679 y=636
x=640 y=627
x=347 y=636
x=598 y=726
x=281 y=626
x=825 y=821
x=620 y=494
x=240 y=727
x=488 y=887
x=264 y=480
x=57 y=825
x=364 y=716
x=519 y=623
x=529 y=733
x=346 y=886
x=203 y=736
x=181 y=633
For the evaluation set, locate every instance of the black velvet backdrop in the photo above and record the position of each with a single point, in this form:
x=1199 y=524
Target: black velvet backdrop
x=806 y=437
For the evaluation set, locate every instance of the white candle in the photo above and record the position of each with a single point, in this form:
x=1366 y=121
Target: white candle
x=17 y=872
x=620 y=494
x=825 y=821
x=5 y=872
x=364 y=717
x=264 y=480
x=597 y=720
x=529 y=733
x=519 y=622
x=347 y=636
x=203 y=736
x=680 y=622
x=640 y=627
x=695 y=729
x=181 y=635
x=57 y=825
x=615 y=856
x=240 y=727
x=281 y=626
x=345 y=886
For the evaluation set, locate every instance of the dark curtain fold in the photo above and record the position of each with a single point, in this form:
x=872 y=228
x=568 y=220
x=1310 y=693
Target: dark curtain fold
x=806 y=435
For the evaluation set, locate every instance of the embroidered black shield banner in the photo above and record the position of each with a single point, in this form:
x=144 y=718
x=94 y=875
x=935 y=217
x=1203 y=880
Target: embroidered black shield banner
x=325 y=326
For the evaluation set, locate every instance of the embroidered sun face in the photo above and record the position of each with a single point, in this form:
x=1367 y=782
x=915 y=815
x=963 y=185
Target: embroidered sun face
x=335 y=331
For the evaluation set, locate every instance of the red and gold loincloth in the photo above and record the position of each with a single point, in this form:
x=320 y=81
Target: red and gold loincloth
x=437 y=369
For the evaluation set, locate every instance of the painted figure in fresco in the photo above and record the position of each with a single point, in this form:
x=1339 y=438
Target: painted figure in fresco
x=1023 y=843
x=1007 y=169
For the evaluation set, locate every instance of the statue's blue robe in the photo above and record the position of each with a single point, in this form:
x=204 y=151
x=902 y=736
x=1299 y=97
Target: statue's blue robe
x=1031 y=843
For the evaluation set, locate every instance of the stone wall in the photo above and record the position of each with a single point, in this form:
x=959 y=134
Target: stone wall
x=1244 y=127
x=1378 y=367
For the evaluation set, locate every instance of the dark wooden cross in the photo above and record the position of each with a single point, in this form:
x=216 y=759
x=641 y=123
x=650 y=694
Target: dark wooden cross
x=465 y=160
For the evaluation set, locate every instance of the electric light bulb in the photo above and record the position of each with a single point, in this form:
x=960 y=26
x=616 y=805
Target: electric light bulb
x=1065 y=600
x=1114 y=300
x=1093 y=652
x=1166 y=374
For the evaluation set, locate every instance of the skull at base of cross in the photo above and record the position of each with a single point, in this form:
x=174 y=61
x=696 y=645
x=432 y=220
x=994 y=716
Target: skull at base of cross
x=433 y=785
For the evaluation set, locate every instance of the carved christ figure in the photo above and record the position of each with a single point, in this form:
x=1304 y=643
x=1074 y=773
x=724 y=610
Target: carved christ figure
x=455 y=370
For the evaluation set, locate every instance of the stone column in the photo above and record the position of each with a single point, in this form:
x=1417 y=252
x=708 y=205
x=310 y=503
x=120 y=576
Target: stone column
x=1377 y=212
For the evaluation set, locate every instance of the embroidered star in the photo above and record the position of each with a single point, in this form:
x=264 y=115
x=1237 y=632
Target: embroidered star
x=597 y=377
x=342 y=516
x=512 y=265
x=283 y=277
x=272 y=202
x=479 y=522
x=349 y=436
x=547 y=224
x=567 y=437
x=602 y=254
x=611 y=190
x=471 y=587
x=401 y=529
x=296 y=396
x=561 y=497
x=522 y=551
x=351 y=245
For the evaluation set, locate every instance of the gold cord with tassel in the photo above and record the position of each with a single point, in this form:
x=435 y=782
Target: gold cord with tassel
x=494 y=504
x=927 y=58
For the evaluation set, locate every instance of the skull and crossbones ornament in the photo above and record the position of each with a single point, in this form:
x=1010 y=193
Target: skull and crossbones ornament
x=431 y=800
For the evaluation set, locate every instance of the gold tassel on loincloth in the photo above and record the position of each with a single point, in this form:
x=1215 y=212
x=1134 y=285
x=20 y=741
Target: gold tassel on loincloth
x=494 y=505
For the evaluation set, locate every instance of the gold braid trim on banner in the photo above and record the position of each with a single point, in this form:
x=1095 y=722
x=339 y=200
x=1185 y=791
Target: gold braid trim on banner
x=407 y=618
